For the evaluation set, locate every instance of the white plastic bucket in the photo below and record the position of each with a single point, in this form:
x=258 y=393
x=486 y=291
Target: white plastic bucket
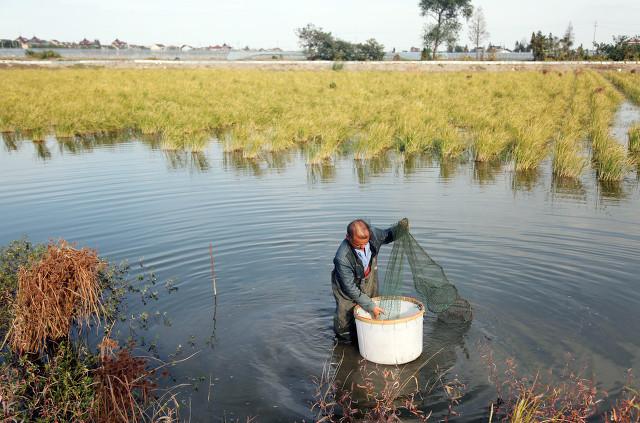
x=393 y=341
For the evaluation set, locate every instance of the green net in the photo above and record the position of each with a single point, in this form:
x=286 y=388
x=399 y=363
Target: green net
x=429 y=281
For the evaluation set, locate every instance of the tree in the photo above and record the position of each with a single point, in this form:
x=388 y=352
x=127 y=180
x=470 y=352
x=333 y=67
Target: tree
x=478 y=29
x=445 y=23
x=622 y=48
x=538 y=46
x=317 y=44
x=566 y=42
x=320 y=45
x=369 y=50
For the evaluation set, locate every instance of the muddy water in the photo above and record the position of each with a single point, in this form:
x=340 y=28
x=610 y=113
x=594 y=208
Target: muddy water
x=550 y=267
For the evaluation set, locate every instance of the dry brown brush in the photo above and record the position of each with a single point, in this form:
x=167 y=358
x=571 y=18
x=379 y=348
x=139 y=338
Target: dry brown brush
x=61 y=289
x=123 y=384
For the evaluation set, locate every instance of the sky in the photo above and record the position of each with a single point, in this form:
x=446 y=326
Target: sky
x=394 y=23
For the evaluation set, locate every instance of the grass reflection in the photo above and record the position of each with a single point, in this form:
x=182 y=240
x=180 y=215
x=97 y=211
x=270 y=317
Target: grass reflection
x=9 y=140
x=42 y=151
x=612 y=190
x=320 y=173
x=484 y=173
x=189 y=160
x=570 y=188
x=525 y=180
x=366 y=169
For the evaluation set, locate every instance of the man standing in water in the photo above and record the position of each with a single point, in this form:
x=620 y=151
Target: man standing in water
x=354 y=279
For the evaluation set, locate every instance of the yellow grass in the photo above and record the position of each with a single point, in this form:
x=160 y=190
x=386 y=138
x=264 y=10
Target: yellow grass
x=522 y=115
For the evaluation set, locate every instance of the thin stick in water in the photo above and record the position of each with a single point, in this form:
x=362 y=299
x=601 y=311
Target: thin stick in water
x=213 y=281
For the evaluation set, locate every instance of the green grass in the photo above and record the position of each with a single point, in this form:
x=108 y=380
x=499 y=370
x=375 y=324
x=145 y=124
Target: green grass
x=634 y=140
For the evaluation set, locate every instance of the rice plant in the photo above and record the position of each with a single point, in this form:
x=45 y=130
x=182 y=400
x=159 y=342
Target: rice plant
x=609 y=158
x=627 y=82
x=567 y=160
x=634 y=140
x=260 y=112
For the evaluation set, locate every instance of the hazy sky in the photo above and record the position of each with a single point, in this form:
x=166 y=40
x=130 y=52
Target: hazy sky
x=395 y=23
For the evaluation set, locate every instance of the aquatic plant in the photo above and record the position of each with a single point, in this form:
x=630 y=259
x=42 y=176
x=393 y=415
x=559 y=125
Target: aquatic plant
x=634 y=140
x=567 y=161
x=258 y=112
x=563 y=395
x=627 y=82
x=609 y=158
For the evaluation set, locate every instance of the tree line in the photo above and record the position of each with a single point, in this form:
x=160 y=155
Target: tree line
x=443 y=29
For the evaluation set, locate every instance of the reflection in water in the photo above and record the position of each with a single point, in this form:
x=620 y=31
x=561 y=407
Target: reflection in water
x=278 y=160
x=439 y=355
x=194 y=160
x=569 y=188
x=321 y=173
x=611 y=190
x=376 y=166
x=42 y=151
x=485 y=173
x=414 y=162
x=89 y=142
x=525 y=180
x=448 y=169
x=235 y=160
x=10 y=141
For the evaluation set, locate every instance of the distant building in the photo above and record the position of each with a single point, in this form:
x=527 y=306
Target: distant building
x=119 y=45
x=498 y=49
x=89 y=44
x=634 y=41
x=218 y=47
x=157 y=47
x=186 y=47
x=415 y=50
x=35 y=42
x=23 y=42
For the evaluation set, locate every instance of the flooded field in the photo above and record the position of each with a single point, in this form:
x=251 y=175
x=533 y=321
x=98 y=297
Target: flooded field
x=524 y=117
x=550 y=264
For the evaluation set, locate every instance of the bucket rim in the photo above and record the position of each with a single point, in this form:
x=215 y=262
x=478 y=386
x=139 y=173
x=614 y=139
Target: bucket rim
x=394 y=321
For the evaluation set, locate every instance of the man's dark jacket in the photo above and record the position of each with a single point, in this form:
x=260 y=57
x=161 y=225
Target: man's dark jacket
x=349 y=271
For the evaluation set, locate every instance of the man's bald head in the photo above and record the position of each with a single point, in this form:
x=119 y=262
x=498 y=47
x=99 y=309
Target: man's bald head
x=358 y=228
x=358 y=233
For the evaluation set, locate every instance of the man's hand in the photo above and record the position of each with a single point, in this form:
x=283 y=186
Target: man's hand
x=377 y=311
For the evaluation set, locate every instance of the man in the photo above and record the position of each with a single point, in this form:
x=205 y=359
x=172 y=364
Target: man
x=354 y=279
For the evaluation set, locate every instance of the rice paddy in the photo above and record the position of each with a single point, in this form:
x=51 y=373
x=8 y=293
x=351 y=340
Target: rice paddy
x=524 y=117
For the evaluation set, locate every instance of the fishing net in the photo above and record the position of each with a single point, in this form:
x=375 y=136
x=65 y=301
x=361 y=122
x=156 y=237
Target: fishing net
x=429 y=281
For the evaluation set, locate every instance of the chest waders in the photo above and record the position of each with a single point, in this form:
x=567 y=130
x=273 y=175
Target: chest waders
x=343 y=320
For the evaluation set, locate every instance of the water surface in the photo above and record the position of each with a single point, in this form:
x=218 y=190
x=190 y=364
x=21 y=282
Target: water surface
x=550 y=266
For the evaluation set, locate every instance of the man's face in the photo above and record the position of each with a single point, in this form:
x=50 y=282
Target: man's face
x=359 y=239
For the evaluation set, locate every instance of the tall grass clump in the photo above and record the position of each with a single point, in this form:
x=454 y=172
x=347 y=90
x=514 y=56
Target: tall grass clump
x=634 y=140
x=609 y=157
x=567 y=159
x=628 y=83
x=61 y=289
